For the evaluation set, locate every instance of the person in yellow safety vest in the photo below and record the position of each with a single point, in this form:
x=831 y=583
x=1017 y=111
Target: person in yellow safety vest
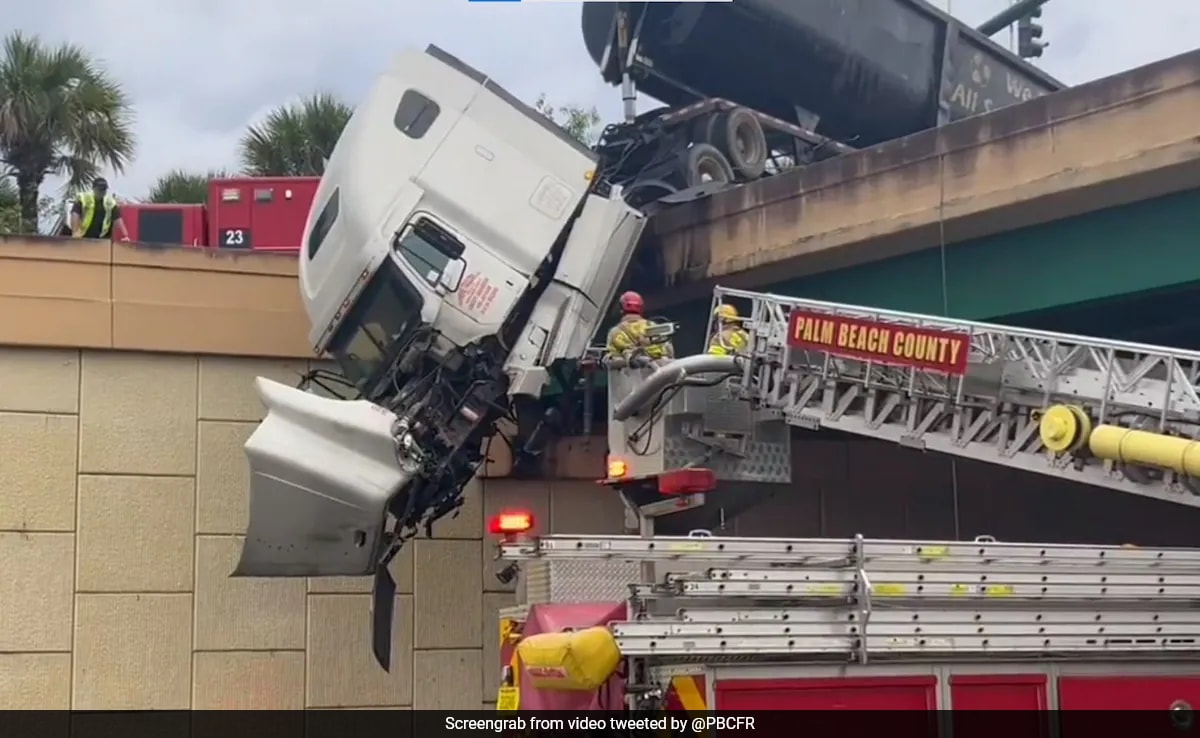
x=728 y=336
x=629 y=336
x=95 y=213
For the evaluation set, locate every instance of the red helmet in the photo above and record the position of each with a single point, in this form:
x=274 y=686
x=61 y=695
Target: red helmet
x=631 y=302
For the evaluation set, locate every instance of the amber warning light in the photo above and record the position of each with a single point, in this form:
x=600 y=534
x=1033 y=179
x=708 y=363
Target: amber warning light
x=511 y=523
x=617 y=468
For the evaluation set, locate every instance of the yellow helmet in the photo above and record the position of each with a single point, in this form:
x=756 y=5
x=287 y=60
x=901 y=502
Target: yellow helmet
x=726 y=312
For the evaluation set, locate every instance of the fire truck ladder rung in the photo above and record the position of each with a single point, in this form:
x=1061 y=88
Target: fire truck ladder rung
x=864 y=626
x=935 y=585
x=1081 y=618
x=905 y=628
x=799 y=552
x=992 y=412
x=666 y=644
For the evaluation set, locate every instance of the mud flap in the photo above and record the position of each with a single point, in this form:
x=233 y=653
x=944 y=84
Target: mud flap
x=321 y=474
x=383 y=612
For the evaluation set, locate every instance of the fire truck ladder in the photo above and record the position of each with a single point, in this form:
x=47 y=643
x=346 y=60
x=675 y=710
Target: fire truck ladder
x=857 y=599
x=1113 y=414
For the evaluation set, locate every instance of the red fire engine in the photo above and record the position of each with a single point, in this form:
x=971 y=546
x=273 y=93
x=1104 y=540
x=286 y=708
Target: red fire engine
x=244 y=213
x=697 y=621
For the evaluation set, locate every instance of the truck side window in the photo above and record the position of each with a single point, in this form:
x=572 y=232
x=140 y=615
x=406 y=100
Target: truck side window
x=324 y=223
x=415 y=114
x=428 y=248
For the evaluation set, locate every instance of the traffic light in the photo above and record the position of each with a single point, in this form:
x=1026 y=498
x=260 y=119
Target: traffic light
x=1029 y=35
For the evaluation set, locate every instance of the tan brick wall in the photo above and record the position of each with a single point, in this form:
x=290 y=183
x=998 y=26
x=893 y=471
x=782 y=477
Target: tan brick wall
x=93 y=294
x=122 y=497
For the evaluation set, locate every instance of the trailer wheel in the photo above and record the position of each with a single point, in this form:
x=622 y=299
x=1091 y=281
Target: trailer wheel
x=740 y=137
x=704 y=164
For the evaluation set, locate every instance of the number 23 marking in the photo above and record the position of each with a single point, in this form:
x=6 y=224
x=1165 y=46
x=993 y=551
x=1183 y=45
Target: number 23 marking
x=235 y=237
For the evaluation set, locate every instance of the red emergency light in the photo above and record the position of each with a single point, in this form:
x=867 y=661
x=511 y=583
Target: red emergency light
x=511 y=523
x=686 y=481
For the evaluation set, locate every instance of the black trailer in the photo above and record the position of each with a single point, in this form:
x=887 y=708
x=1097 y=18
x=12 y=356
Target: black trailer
x=740 y=79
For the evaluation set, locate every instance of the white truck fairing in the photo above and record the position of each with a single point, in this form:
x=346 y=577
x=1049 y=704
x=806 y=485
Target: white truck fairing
x=299 y=458
x=457 y=249
x=436 y=141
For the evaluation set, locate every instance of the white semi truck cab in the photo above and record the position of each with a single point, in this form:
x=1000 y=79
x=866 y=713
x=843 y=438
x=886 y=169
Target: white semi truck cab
x=460 y=244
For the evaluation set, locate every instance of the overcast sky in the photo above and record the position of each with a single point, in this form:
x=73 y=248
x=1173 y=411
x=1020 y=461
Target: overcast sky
x=199 y=71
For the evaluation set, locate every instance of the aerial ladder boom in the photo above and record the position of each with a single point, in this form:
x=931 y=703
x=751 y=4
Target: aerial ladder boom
x=1113 y=414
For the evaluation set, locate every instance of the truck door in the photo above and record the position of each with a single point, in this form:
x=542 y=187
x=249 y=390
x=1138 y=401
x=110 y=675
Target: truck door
x=864 y=693
x=973 y=698
x=513 y=185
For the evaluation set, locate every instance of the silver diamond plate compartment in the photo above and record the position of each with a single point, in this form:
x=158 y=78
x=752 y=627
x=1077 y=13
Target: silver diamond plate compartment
x=577 y=581
x=710 y=427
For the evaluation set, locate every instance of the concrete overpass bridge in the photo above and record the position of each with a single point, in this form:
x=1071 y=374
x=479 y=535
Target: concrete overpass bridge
x=1078 y=211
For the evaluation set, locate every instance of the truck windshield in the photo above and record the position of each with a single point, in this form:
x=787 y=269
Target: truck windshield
x=381 y=318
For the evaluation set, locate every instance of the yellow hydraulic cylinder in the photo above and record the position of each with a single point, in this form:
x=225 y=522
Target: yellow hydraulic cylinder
x=1146 y=449
x=1067 y=428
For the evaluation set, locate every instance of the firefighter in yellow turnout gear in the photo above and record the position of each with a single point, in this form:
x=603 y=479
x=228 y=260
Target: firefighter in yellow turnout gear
x=631 y=335
x=728 y=336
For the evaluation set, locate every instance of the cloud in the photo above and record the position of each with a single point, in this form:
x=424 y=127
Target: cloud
x=200 y=71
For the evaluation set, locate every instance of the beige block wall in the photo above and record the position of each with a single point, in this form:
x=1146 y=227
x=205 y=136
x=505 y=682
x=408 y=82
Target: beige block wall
x=122 y=498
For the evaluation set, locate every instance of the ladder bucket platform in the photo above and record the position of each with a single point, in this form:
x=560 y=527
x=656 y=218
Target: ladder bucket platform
x=684 y=414
x=859 y=598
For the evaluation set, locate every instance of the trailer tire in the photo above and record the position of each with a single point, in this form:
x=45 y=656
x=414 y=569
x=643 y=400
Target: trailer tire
x=740 y=137
x=705 y=163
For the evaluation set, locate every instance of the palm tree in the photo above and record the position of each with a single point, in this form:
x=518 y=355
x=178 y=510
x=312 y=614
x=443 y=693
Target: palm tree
x=295 y=140
x=60 y=114
x=183 y=187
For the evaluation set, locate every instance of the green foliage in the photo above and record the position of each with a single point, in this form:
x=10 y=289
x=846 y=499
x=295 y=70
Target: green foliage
x=50 y=210
x=60 y=114
x=295 y=140
x=183 y=187
x=582 y=123
x=10 y=207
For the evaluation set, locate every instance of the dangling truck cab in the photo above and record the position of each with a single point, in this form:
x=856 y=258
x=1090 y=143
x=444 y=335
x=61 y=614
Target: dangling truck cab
x=459 y=247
